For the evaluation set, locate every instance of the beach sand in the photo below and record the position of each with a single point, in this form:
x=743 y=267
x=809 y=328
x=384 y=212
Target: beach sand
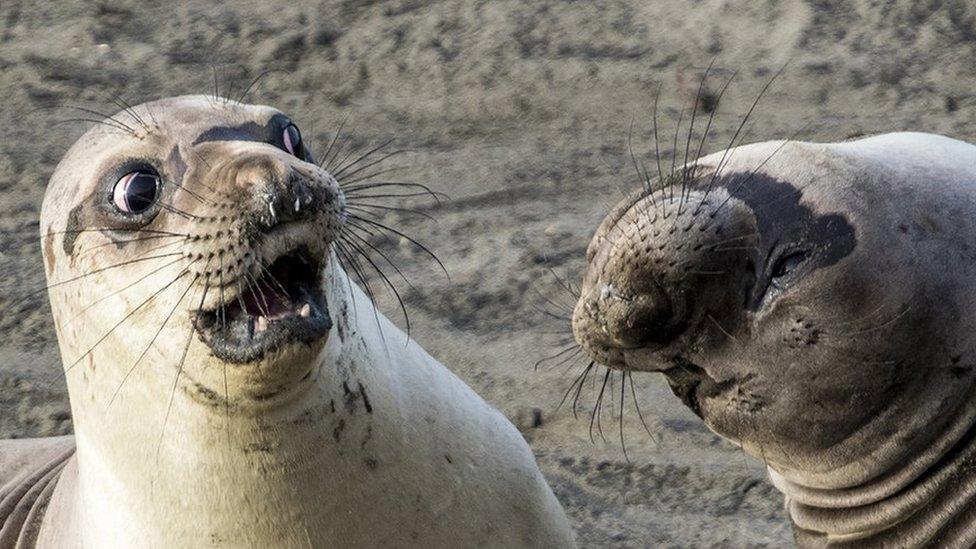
x=521 y=112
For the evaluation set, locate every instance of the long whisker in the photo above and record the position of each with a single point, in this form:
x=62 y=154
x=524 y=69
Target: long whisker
x=179 y=371
x=389 y=284
x=153 y=340
x=623 y=445
x=127 y=316
x=365 y=208
x=96 y=271
x=413 y=241
x=727 y=154
x=578 y=382
x=633 y=393
x=116 y=292
x=111 y=243
x=595 y=415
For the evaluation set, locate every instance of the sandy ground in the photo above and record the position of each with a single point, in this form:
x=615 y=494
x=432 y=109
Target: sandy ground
x=520 y=111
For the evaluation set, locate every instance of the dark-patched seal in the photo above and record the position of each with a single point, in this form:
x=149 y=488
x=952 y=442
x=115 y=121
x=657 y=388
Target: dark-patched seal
x=815 y=304
x=230 y=386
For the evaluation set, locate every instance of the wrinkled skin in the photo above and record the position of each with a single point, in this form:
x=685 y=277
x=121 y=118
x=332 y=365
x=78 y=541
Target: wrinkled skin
x=813 y=304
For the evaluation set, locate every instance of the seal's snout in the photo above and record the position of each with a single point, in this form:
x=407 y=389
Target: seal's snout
x=658 y=266
x=270 y=254
x=280 y=189
x=633 y=320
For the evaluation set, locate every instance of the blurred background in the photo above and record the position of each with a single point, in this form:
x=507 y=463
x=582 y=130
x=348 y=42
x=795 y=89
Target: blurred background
x=521 y=112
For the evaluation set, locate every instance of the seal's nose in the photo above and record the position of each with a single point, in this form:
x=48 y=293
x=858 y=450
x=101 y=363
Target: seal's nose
x=291 y=200
x=656 y=266
x=629 y=321
x=275 y=188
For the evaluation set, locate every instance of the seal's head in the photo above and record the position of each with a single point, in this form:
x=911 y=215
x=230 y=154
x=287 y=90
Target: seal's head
x=800 y=298
x=186 y=239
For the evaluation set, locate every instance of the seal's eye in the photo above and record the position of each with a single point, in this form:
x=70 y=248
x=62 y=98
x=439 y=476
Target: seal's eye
x=786 y=265
x=292 y=138
x=135 y=192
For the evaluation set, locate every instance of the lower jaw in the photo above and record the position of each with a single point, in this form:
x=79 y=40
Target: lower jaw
x=268 y=384
x=243 y=341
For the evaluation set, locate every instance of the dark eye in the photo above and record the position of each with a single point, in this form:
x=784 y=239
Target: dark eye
x=136 y=192
x=292 y=138
x=787 y=264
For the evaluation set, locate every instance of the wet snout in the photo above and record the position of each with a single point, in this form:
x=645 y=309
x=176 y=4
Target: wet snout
x=656 y=267
x=276 y=187
x=627 y=317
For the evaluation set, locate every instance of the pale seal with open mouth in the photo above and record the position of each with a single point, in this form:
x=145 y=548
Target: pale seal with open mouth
x=230 y=386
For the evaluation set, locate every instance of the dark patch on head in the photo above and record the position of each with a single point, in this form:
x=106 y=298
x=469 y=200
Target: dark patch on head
x=270 y=132
x=73 y=228
x=248 y=131
x=52 y=259
x=783 y=221
x=371 y=463
x=176 y=164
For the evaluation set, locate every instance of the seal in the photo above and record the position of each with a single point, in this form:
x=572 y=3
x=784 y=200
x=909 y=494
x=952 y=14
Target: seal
x=230 y=386
x=813 y=303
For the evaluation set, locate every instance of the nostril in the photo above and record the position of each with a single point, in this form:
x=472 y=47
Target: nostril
x=627 y=319
x=638 y=320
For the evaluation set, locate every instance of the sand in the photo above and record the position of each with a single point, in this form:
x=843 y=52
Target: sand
x=521 y=112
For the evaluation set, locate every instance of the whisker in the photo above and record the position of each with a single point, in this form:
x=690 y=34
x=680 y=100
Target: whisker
x=365 y=208
x=595 y=416
x=691 y=130
x=557 y=355
x=576 y=382
x=103 y=298
x=389 y=284
x=343 y=169
x=371 y=176
x=633 y=392
x=141 y=239
x=387 y=228
x=127 y=316
x=623 y=445
x=380 y=253
x=179 y=371
x=727 y=154
x=152 y=341
x=332 y=142
x=413 y=241
x=254 y=82
x=96 y=271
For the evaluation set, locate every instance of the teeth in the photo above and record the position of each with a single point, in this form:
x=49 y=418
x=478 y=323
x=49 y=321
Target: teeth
x=305 y=311
x=298 y=204
x=261 y=324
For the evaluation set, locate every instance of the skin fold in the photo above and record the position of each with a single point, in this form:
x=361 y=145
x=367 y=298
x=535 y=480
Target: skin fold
x=814 y=304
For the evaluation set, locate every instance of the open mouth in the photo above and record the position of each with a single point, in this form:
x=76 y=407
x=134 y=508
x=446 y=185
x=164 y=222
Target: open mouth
x=282 y=306
x=691 y=383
